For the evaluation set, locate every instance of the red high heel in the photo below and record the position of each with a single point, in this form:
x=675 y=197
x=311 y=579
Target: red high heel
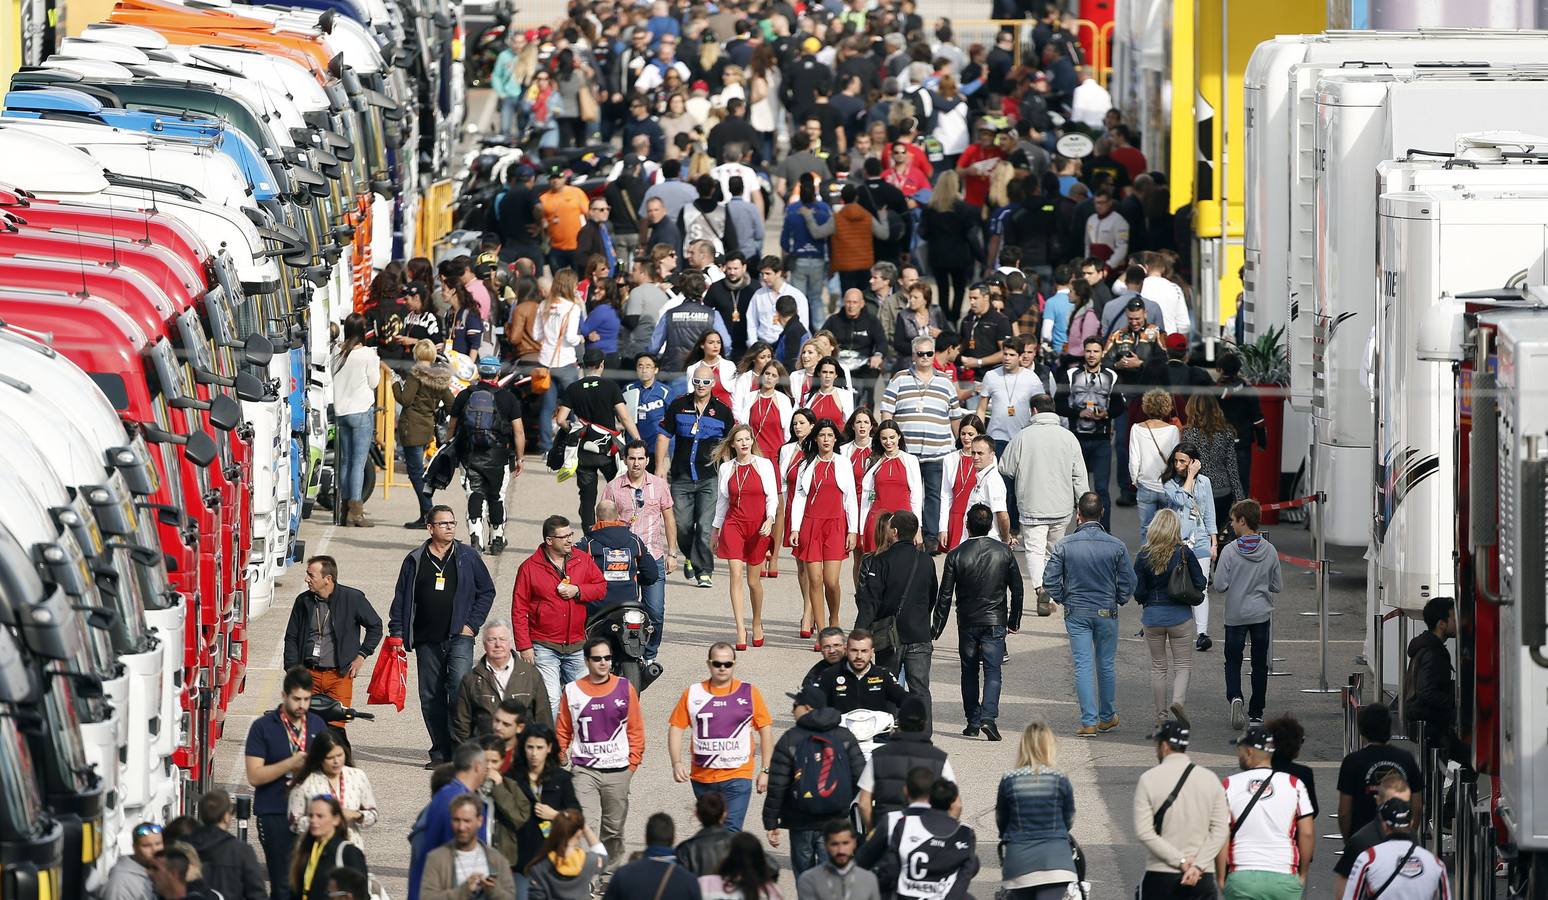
x=806 y=632
x=757 y=642
x=741 y=646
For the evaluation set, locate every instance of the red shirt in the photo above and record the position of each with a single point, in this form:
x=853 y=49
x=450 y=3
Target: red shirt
x=538 y=613
x=921 y=162
x=909 y=181
x=1132 y=160
x=976 y=187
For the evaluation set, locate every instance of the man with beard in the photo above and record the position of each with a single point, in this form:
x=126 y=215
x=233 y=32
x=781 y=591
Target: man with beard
x=731 y=296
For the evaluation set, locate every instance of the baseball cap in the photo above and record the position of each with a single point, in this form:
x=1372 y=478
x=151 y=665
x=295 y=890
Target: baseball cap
x=1397 y=813
x=811 y=45
x=809 y=696
x=1173 y=731
x=1258 y=738
x=700 y=85
x=413 y=289
x=593 y=357
x=489 y=365
x=1135 y=303
x=1177 y=341
x=525 y=171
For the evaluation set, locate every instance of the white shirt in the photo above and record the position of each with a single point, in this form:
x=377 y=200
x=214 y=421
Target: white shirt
x=1422 y=878
x=760 y=313
x=1265 y=840
x=1148 y=451
x=1010 y=400
x=502 y=675
x=723 y=174
x=988 y=489
x=355 y=381
x=1175 y=318
x=558 y=332
x=1089 y=103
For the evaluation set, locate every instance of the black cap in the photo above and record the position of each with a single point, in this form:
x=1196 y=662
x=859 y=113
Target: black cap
x=1174 y=732
x=413 y=289
x=809 y=696
x=593 y=358
x=913 y=715
x=1397 y=813
x=1135 y=303
x=1258 y=738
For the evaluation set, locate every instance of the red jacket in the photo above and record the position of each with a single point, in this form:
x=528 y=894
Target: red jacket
x=538 y=613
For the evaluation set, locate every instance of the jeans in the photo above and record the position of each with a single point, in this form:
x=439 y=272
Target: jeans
x=414 y=462
x=276 y=838
x=510 y=108
x=930 y=474
x=441 y=666
x=807 y=850
x=356 y=431
x=558 y=669
x=1036 y=539
x=1098 y=454
x=590 y=466
x=693 y=502
x=1121 y=425
x=859 y=279
x=737 y=792
x=1235 y=641
x=915 y=659
x=1094 y=642
x=809 y=276
x=981 y=647
x=1150 y=503
x=521 y=885
x=654 y=598
x=1179 y=640
x=562 y=377
x=560 y=259
x=604 y=801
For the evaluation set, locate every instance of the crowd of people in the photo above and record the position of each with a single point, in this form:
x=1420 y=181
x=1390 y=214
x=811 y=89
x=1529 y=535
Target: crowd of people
x=829 y=290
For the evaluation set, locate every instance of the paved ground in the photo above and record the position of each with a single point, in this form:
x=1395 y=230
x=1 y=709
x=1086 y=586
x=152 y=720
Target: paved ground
x=1037 y=682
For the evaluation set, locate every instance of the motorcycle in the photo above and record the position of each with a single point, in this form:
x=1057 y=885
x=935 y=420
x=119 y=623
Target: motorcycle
x=628 y=628
x=337 y=715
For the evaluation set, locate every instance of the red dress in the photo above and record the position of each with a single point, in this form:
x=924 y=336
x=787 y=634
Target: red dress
x=720 y=391
x=826 y=406
x=792 y=474
x=961 y=491
x=739 y=537
x=763 y=416
x=891 y=486
x=859 y=456
x=824 y=527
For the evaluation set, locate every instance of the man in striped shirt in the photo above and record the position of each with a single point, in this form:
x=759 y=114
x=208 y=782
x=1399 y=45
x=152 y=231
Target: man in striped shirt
x=924 y=402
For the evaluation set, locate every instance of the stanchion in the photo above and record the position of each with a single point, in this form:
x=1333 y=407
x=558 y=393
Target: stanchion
x=1321 y=550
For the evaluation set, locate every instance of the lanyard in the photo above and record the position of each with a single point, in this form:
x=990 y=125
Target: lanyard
x=339 y=794
x=739 y=477
x=296 y=736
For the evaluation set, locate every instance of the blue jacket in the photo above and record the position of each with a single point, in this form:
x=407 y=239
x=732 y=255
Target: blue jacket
x=603 y=319
x=1089 y=571
x=796 y=239
x=1034 y=804
x=470 y=607
x=433 y=829
x=1196 y=510
x=650 y=411
x=1152 y=592
x=616 y=543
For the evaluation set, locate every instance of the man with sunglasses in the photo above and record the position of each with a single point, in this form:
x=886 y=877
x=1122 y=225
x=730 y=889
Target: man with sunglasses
x=548 y=606
x=602 y=735
x=130 y=877
x=699 y=422
x=644 y=502
x=924 y=402
x=723 y=712
x=596 y=236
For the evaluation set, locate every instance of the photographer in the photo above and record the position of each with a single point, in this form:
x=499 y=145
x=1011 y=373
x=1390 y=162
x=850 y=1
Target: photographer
x=324 y=631
x=1131 y=351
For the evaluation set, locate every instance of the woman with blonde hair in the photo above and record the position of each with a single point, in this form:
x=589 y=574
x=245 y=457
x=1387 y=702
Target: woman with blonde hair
x=557 y=329
x=421 y=393
x=1215 y=436
x=1167 y=621
x=746 y=500
x=1035 y=809
x=1150 y=441
x=945 y=225
x=951 y=121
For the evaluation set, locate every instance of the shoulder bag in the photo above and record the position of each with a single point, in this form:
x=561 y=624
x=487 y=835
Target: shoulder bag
x=1160 y=813
x=884 y=630
x=1236 y=826
x=1395 y=870
x=1180 y=588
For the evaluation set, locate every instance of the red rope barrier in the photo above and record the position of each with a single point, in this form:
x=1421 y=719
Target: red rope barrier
x=1298 y=561
x=1291 y=504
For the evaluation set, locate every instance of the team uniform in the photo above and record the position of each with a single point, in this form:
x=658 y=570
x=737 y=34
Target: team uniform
x=603 y=730
x=937 y=856
x=825 y=511
x=769 y=418
x=893 y=483
x=748 y=494
x=803 y=387
x=1420 y=876
x=790 y=460
x=1263 y=845
x=858 y=458
x=964 y=487
x=835 y=404
x=721 y=722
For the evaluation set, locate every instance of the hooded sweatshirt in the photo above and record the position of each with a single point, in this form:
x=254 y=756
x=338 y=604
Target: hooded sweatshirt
x=1248 y=572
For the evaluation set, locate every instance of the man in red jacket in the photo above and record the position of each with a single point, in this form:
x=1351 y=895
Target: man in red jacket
x=548 y=607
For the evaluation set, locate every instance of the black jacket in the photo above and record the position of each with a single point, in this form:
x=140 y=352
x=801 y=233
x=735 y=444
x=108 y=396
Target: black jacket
x=703 y=853
x=899 y=581
x=230 y=866
x=556 y=789
x=732 y=303
x=981 y=571
x=588 y=241
x=780 y=808
x=862 y=334
x=337 y=849
x=1431 y=695
x=643 y=879
x=875 y=690
x=890 y=765
x=351 y=612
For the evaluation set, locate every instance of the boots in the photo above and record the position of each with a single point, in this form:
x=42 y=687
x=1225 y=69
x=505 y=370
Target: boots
x=476 y=534
x=356 y=515
x=497 y=541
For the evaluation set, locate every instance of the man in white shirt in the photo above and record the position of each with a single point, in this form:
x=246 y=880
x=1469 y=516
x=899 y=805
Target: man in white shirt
x=1107 y=232
x=1272 y=834
x=760 y=312
x=732 y=167
x=1090 y=102
x=988 y=489
x=1175 y=318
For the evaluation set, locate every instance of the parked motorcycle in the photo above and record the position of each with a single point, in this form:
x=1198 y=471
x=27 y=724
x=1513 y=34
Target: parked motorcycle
x=337 y=715
x=628 y=628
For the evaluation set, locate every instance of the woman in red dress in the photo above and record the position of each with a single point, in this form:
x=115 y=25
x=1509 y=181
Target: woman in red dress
x=803 y=381
x=748 y=373
x=890 y=483
x=801 y=422
x=858 y=447
x=706 y=351
x=746 y=502
x=767 y=409
x=829 y=401
x=824 y=520
x=958 y=478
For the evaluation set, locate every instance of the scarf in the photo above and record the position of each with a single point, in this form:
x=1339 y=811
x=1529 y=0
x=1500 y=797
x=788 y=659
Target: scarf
x=570 y=864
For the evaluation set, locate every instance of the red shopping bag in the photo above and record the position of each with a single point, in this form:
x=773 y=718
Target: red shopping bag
x=389 y=680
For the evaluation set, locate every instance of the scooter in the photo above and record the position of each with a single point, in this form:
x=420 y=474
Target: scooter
x=628 y=628
x=337 y=715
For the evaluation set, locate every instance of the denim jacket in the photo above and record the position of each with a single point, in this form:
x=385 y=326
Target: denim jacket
x=1196 y=510
x=1152 y=592
x=1089 y=572
x=1034 y=804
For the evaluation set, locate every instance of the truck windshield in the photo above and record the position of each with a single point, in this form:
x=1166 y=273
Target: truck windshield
x=217 y=316
x=154 y=585
x=128 y=627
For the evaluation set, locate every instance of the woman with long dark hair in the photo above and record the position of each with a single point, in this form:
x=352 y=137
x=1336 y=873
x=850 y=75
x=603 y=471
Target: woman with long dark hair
x=708 y=350
x=571 y=78
x=891 y=482
x=549 y=788
x=824 y=521
x=325 y=847
x=604 y=319
x=1215 y=436
x=357 y=371
x=746 y=501
x=745 y=873
x=767 y=408
x=958 y=478
x=801 y=423
x=748 y=371
x=325 y=774
x=1189 y=493
x=569 y=862
x=858 y=447
x=828 y=400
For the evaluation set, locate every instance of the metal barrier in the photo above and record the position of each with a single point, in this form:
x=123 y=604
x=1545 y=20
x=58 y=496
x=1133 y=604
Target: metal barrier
x=1351 y=702
x=435 y=217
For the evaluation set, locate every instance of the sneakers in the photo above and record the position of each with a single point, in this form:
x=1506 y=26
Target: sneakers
x=1254 y=722
x=705 y=581
x=1109 y=725
x=1202 y=643
x=1127 y=500
x=687 y=570
x=970 y=731
x=1238 y=715
x=1086 y=731
x=991 y=731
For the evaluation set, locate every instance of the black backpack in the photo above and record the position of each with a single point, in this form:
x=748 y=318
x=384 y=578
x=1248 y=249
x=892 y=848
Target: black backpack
x=822 y=782
x=482 y=422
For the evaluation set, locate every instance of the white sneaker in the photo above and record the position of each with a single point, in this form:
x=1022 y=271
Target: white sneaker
x=1238 y=715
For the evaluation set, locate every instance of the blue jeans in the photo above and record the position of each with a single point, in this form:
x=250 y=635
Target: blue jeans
x=807 y=850
x=810 y=276
x=1094 y=639
x=1150 y=503
x=1236 y=637
x=654 y=598
x=562 y=377
x=930 y=474
x=982 y=647
x=1098 y=454
x=521 y=885
x=560 y=259
x=737 y=792
x=558 y=669
x=441 y=666
x=414 y=462
x=356 y=431
x=510 y=111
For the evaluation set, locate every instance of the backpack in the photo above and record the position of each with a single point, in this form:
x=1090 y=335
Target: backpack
x=822 y=782
x=482 y=422
x=701 y=227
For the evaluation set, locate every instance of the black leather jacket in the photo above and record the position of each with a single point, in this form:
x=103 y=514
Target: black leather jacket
x=703 y=853
x=981 y=570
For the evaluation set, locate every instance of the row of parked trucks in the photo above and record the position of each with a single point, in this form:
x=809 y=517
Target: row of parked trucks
x=1397 y=227
x=194 y=193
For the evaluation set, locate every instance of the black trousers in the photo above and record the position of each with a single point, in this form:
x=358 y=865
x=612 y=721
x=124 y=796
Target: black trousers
x=1169 y=886
x=485 y=483
x=277 y=840
x=590 y=467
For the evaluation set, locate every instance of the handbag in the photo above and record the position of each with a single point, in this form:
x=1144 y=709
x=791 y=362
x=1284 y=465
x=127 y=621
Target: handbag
x=1180 y=588
x=587 y=101
x=389 y=679
x=884 y=630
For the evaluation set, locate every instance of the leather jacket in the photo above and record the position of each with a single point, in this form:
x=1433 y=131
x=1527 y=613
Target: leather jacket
x=981 y=570
x=703 y=853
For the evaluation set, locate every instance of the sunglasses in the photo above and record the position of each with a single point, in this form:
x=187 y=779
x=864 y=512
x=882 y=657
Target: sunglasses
x=146 y=828
x=599 y=209
x=923 y=353
x=703 y=382
x=639 y=498
x=607 y=658
x=719 y=664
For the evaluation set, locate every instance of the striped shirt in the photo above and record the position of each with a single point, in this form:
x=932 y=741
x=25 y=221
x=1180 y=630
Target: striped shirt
x=924 y=410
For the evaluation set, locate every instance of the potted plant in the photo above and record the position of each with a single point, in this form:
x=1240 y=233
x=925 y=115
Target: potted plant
x=1266 y=366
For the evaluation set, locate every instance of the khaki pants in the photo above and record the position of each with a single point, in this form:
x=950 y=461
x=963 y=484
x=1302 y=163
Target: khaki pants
x=1179 y=638
x=1036 y=538
x=604 y=801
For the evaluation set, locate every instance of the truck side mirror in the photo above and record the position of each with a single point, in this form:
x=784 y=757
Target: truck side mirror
x=158 y=436
x=257 y=351
x=200 y=449
x=250 y=389
x=225 y=413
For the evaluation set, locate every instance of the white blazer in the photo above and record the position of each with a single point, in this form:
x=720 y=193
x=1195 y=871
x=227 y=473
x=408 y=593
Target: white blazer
x=744 y=405
x=915 y=484
x=843 y=475
x=763 y=469
x=743 y=387
x=798 y=380
x=989 y=491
